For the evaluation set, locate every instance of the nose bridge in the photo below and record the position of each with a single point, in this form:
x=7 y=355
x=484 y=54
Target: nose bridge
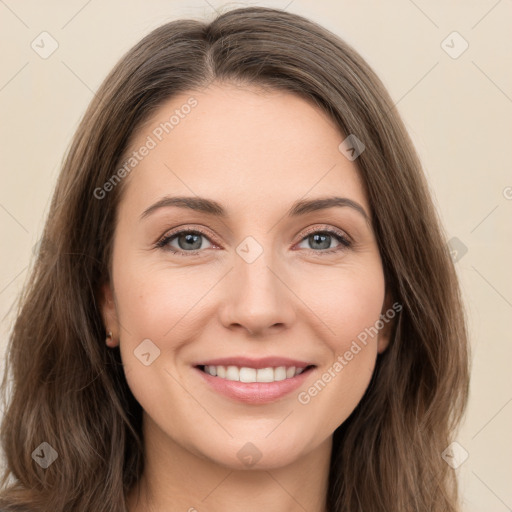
x=255 y=277
x=252 y=271
x=256 y=298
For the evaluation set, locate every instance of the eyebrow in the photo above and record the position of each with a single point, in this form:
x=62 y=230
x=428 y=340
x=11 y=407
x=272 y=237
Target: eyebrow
x=211 y=207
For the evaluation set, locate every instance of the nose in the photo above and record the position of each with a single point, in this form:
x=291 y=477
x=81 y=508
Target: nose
x=256 y=297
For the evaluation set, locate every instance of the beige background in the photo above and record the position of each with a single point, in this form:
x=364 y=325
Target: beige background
x=458 y=111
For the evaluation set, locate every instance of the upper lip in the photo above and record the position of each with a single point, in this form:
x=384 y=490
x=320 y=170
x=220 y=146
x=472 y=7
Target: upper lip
x=248 y=362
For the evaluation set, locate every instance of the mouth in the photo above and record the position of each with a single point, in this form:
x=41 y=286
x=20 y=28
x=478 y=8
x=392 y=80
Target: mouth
x=248 y=374
x=254 y=382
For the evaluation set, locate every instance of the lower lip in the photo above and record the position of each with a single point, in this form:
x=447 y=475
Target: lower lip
x=255 y=392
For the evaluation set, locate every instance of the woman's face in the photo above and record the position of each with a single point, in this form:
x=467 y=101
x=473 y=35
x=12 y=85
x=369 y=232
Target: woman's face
x=258 y=280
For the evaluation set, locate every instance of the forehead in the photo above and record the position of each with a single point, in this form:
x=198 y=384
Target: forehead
x=240 y=145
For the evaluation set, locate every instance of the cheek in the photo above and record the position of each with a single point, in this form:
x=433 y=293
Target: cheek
x=346 y=301
x=153 y=302
x=154 y=314
x=348 y=304
x=159 y=311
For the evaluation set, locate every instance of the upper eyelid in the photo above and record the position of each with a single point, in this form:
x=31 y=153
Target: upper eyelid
x=328 y=229
x=179 y=231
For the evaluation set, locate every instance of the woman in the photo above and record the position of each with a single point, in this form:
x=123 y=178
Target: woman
x=243 y=299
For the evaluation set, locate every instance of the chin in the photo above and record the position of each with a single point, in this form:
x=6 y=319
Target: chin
x=247 y=454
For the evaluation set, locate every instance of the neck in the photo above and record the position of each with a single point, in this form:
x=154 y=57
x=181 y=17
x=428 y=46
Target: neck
x=175 y=479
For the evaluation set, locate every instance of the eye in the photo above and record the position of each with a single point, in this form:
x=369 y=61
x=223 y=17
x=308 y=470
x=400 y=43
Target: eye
x=321 y=240
x=189 y=242
x=185 y=241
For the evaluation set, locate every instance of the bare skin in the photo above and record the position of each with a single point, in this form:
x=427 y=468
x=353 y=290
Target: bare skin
x=255 y=153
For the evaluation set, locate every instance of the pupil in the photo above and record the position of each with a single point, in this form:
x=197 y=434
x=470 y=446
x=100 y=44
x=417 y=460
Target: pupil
x=326 y=241
x=191 y=239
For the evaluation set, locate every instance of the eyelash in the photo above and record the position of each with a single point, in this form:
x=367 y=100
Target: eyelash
x=345 y=243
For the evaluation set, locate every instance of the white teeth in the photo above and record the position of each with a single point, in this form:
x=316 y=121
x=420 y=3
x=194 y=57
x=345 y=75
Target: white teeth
x=265 y=375
x=232 y=373
x=246 y=374
x=280 y=373
x=212 y=370
x=290 y=372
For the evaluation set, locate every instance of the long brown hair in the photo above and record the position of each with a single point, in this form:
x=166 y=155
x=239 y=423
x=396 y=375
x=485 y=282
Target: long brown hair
x=63 y=386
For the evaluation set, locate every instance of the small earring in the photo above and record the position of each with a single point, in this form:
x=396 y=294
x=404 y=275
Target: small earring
x=109 y=337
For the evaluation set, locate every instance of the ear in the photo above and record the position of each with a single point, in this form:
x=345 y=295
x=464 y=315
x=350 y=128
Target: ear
x=109 y=314
x=387 y=315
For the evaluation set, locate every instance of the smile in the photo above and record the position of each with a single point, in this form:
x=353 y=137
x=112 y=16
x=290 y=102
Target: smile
x=248 y=374
x=254 y=381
